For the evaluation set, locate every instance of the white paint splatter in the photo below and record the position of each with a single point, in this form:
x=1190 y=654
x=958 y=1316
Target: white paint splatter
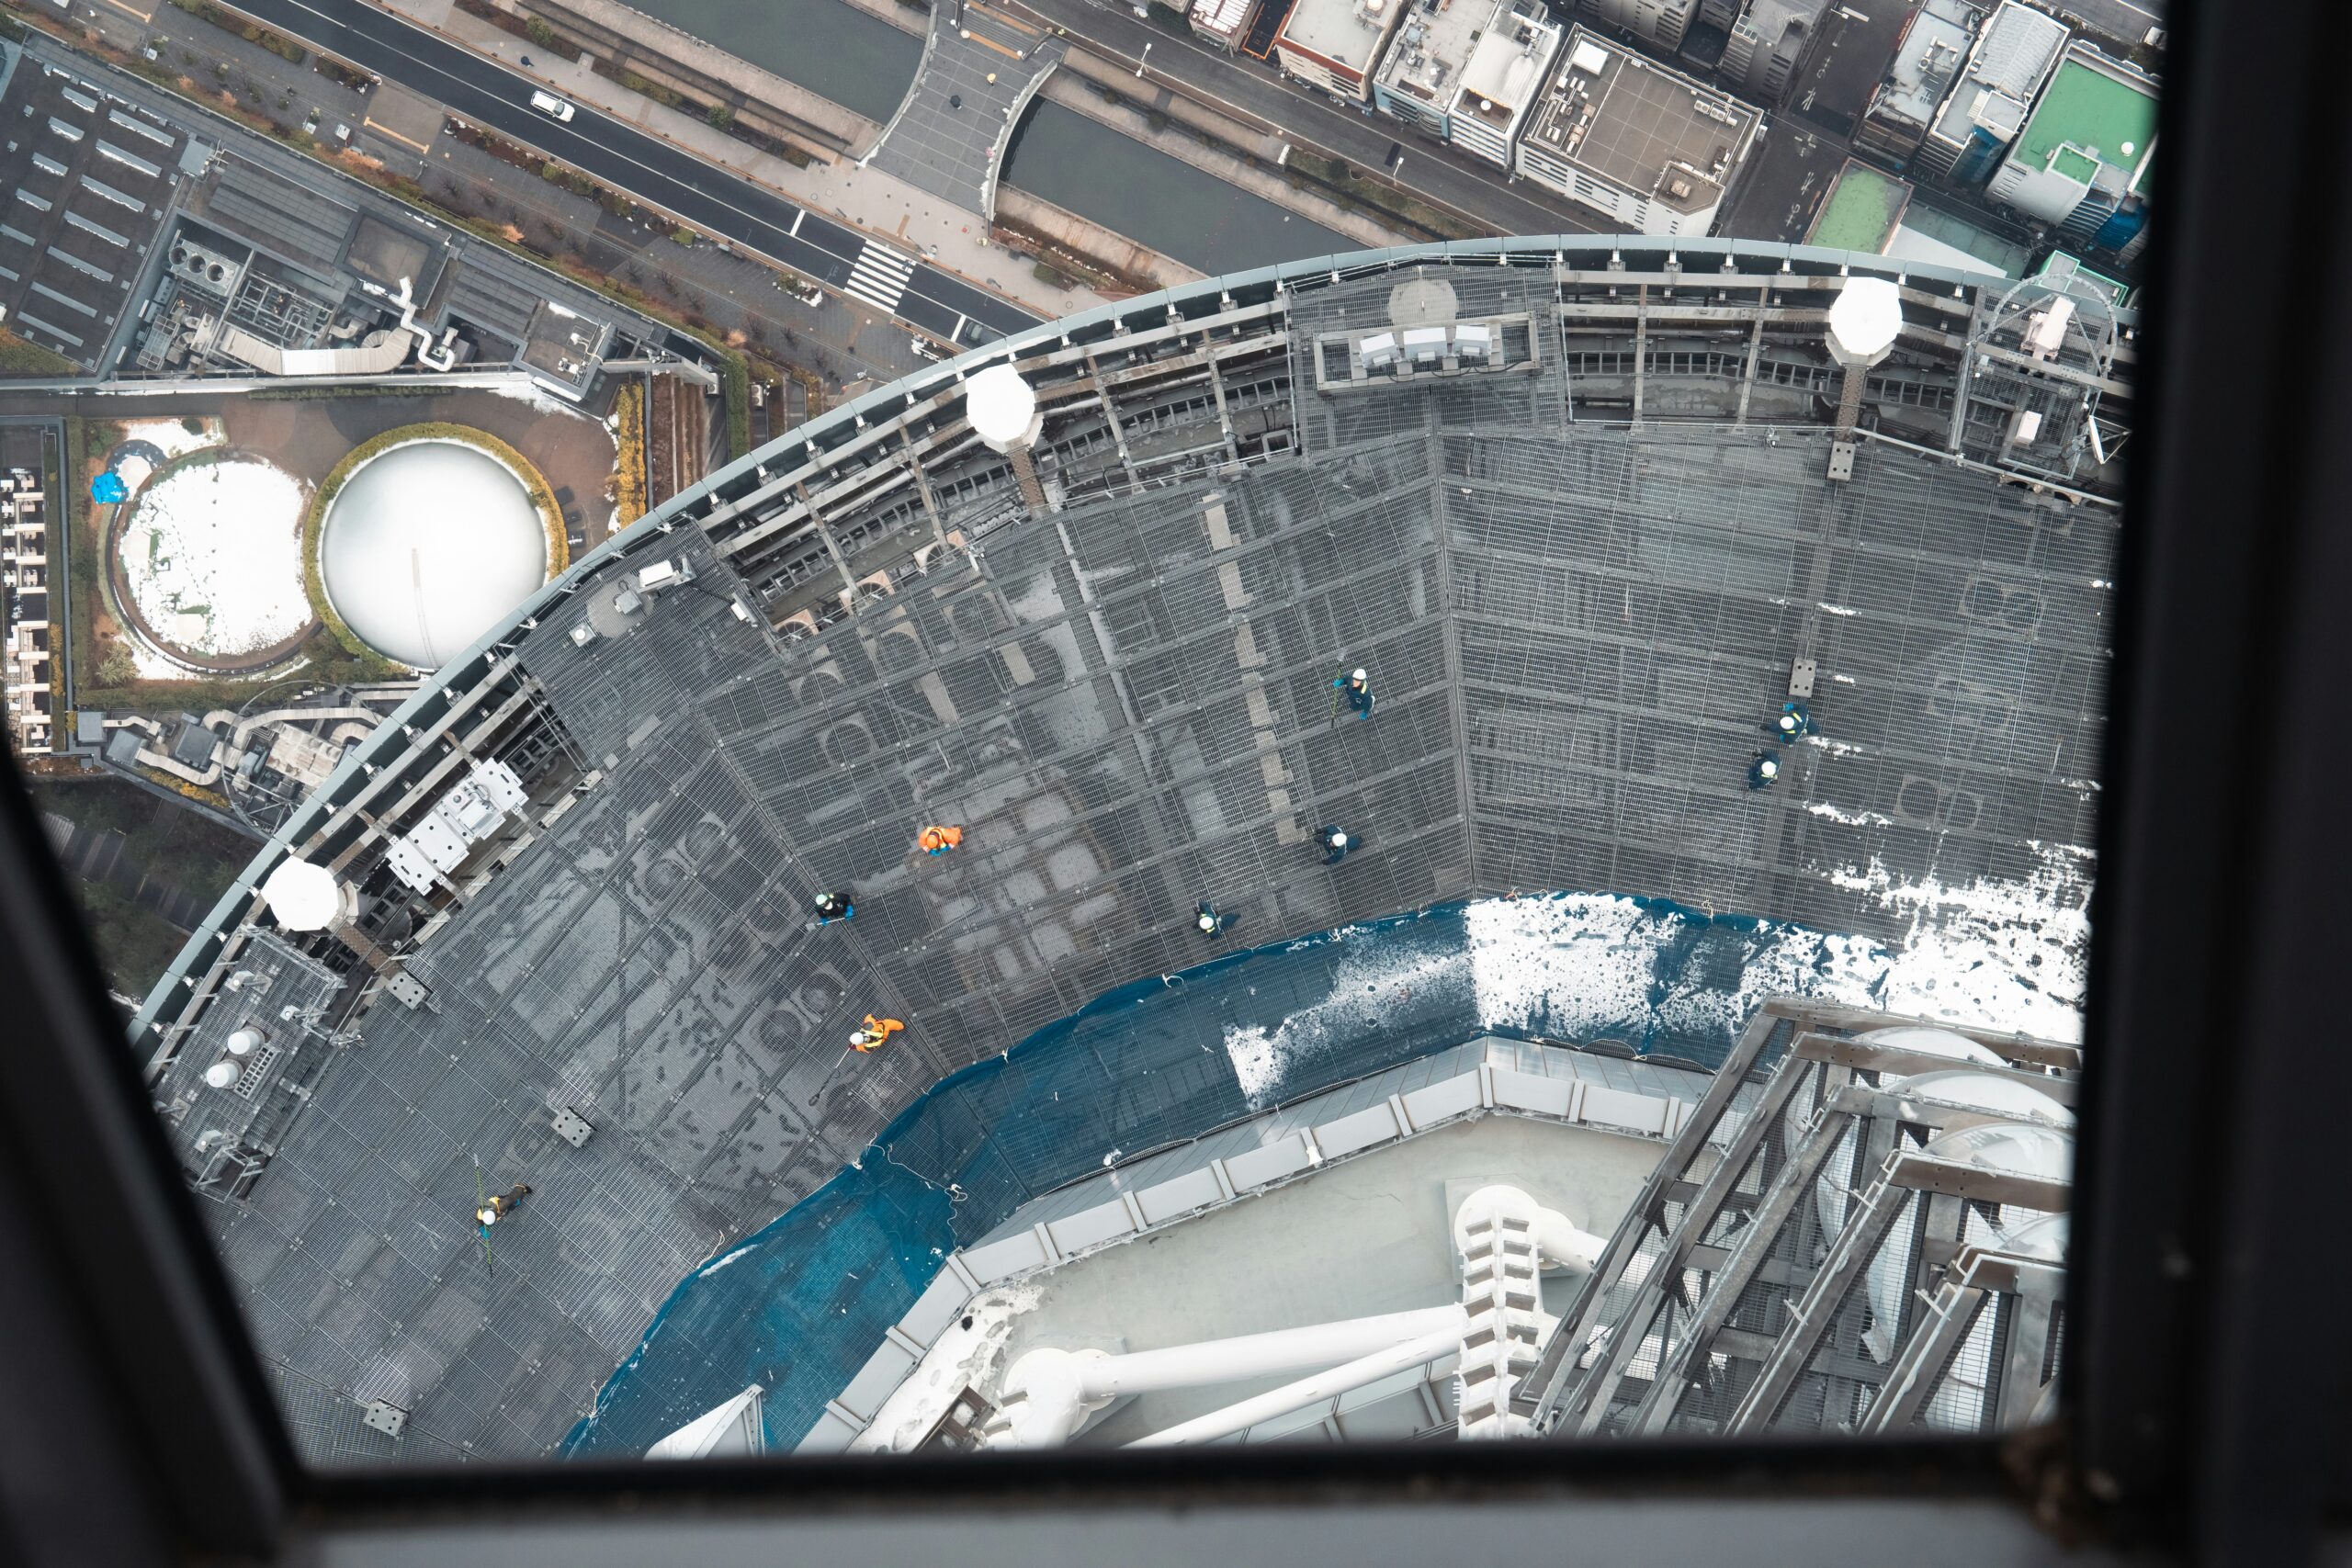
x=707 y=1270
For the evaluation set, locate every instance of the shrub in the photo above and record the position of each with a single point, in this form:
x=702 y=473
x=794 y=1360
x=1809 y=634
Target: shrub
x=539 y=33
x=721 y=115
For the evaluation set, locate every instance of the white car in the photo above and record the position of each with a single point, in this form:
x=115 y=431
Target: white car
x=552 y=107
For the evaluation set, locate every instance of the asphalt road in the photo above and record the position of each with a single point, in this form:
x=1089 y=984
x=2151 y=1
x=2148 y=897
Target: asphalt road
x=1431 y=168
x=625 y=158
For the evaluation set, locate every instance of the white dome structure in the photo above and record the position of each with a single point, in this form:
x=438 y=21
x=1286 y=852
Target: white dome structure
x=304 y=897
x=427 y=546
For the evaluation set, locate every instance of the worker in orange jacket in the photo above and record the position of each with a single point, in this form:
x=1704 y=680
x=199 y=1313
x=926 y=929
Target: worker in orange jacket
x=938 y=841
x=876 y=1031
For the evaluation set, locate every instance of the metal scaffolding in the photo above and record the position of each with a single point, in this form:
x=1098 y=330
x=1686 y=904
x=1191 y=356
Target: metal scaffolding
x=1838 y=1240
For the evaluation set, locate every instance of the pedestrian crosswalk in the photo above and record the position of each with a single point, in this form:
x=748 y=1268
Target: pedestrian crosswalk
x=880 y=276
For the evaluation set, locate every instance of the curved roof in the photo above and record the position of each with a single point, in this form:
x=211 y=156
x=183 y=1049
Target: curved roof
x=427 y=546
x=1572 y=622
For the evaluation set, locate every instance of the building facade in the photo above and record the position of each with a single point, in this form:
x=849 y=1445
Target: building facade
x=1661 y=22
x=1987 y=108
x=25 y=648
x=1336 y=44
x=1648 y=146
x=1763 y=44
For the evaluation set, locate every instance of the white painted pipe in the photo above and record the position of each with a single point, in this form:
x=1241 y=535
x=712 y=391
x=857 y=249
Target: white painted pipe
x=1049 y=1393
x=1259 y=1355
x=1242 y=1416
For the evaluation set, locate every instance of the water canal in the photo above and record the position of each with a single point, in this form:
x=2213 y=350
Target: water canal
x=863 y=64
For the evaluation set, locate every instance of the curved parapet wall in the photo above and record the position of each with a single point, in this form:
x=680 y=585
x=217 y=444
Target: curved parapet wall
x=798 y=1306
x=1581 y=548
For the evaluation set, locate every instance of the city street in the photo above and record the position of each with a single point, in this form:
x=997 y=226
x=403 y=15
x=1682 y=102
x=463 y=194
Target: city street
x=642 y=167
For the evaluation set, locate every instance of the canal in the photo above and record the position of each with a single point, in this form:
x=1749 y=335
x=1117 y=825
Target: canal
x=1063 y=157
x=863 y=64
x=838 y=51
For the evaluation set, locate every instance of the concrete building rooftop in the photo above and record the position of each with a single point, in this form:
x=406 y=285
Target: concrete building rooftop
x=1929 y=57
x=1640 y=126
x=2013 y=55
x=1930 y=234
x=1348 y=31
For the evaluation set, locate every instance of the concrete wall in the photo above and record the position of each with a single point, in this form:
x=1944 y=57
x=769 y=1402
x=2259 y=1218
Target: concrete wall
x=1087 y=242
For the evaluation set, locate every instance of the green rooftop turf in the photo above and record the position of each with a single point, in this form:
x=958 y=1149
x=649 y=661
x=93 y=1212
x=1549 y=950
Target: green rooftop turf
x=1860 y=213
x=2089 y=109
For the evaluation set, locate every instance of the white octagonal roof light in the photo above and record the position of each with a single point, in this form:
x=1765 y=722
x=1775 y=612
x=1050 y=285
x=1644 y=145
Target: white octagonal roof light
x=1001 y=404
x=1865 y=317
x=303 y=896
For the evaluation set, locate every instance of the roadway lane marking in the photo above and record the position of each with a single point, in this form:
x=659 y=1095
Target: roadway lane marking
x=880 y=276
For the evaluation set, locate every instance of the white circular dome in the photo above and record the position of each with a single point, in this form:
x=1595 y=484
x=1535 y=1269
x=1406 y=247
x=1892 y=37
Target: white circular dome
x=1001 y=404
x=1865 y=316
x=427 y=546
x=302 y=895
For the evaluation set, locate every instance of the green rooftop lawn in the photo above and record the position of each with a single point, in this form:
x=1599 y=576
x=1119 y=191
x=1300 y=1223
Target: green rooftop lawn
x=2089 y=109
x=1861 y=211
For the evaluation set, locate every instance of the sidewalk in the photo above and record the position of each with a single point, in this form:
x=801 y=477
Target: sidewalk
x=885 y=208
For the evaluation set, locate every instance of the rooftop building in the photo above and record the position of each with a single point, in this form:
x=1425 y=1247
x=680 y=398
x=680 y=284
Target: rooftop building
x=172 y=247
x=1930 y=234
x=1763 y=45
x=2084 y=152
x=2014 y=56
x=1661 y=22
x=1114 y=671
x=1468 y=72
x=1336 y=44
x=1927 y=60
x=1862 y=213
x=25 y=631
x=1648 y=146
x=1224 y=23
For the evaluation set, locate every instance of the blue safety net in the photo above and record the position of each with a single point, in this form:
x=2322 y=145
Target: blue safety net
x=799 y=1306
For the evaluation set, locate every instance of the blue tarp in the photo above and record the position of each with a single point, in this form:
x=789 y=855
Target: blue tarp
x=798 y=1307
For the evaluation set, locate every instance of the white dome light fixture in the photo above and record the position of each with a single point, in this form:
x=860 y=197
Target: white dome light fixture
x=1864 y=319
x=1003 y=407
x=304 y=897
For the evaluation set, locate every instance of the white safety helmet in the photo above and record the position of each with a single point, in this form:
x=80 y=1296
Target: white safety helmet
x=1338 y=836
x=1769 y=767
x=1207 y=922
x=1359 y=675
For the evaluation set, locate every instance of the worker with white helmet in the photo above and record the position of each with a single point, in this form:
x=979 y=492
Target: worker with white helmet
x=1356 y=686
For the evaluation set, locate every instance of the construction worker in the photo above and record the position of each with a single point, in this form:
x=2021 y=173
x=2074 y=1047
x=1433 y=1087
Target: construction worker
x=938 y=841
x=1763 y=770
x=831 y=906
x=1793 y=722
x=1356 y=686
x=499 y=1207
x=1206 y=921
x=876 y=1031
x=1334 y=841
